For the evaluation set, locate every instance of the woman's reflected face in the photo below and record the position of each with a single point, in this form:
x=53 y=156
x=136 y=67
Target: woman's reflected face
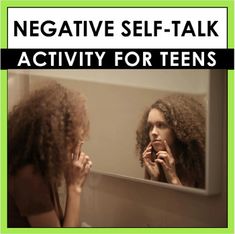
x=159 y=130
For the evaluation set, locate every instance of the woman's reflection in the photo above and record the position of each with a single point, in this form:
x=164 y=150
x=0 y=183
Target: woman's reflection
x=171 y=141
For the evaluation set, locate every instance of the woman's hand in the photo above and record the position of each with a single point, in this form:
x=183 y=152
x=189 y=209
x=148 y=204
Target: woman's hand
x=167 y=161
x=151 y=166
x=78 y=171
x=75 y=176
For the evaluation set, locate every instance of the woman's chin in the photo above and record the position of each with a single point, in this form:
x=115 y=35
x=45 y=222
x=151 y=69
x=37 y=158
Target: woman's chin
x=158 y=148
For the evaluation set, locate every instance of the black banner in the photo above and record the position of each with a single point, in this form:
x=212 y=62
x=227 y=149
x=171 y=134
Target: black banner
x=117 y=59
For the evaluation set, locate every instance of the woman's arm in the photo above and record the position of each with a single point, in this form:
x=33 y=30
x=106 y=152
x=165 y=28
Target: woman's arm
x=50 y=218
x=167 y=161
x=72 y=209
x=46 y=219
x=75 y=179
x=75 y=176
x=151 y=168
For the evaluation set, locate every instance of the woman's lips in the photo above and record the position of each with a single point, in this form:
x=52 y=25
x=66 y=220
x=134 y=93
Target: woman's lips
x=157 y=143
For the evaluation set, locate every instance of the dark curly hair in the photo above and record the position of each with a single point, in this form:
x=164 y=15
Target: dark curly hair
x=186 y=117
x=44 y=129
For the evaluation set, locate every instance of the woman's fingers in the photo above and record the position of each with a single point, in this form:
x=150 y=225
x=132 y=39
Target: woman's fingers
x=77 y=153
x=148 y=162
x=163 y=155
x=87 y=167
x=148 y=151
x=169 y=159
x=148 y=148
x=162 y=162
x=168 y=149
x=147 y=154
x=83 y=161
x=147 y=157
x=78 y=149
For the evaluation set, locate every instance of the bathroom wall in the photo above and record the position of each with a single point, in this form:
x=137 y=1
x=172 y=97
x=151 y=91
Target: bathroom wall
x=168 y=80
x=116 y=202
x=18 y=88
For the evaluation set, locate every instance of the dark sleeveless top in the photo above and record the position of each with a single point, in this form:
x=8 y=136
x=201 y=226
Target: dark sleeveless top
x=29 y=194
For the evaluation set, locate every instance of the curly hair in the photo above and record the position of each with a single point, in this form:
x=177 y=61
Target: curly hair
x=44 y=129
x=186 y=117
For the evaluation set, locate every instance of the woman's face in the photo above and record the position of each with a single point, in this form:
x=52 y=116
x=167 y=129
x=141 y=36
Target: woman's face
x=159 y=130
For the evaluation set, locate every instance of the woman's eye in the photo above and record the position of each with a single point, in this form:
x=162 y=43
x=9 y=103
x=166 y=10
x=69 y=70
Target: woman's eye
x=162 y=125
x=149 y=126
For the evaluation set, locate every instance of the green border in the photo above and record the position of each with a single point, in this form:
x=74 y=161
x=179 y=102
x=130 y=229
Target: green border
x=135 y=3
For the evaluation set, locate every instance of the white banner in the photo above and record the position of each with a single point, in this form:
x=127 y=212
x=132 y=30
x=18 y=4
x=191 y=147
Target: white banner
x=117 y=28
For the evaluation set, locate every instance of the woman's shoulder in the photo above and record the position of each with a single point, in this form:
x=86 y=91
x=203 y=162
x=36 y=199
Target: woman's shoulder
x=28 y=170
x=30 y=191
x=29 y=175
x=29 y=180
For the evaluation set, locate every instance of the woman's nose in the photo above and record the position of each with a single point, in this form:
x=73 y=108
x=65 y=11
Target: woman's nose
x=155 y=131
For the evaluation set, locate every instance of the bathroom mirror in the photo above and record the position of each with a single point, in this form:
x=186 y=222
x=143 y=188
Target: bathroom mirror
x=116 y=101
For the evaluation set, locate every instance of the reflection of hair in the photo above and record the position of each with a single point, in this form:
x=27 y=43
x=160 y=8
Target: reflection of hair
x=186 y=117
x=44 y=128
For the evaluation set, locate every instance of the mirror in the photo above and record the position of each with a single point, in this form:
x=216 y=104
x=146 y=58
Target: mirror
x=116 y=101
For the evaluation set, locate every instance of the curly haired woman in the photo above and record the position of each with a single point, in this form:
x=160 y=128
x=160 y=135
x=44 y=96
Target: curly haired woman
x=171 y=141
x=45 y=133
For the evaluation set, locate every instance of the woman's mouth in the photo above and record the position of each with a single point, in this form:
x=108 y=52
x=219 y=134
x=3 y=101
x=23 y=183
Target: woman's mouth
x=158 y=145
x=157 y=142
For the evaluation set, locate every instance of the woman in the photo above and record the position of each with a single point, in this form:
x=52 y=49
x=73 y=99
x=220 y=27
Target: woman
x=45 y=133
x=171 y=141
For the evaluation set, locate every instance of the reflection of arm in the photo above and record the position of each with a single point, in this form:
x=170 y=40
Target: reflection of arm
x=146 y=174
x=167 y=162
x=151 y=168
x=151 y=173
